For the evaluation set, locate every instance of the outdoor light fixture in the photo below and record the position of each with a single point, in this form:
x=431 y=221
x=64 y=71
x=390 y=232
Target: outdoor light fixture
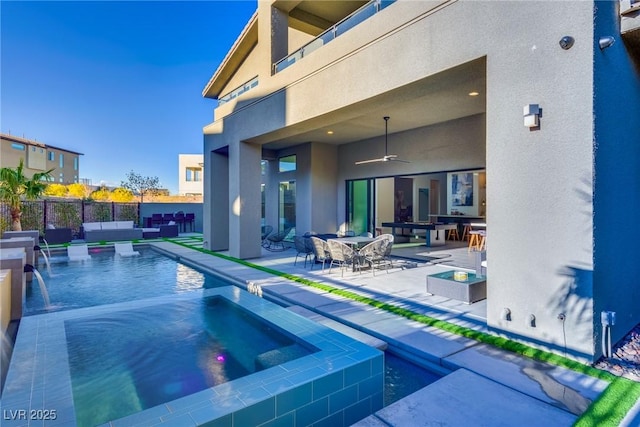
x=531 y=113
x=506 y=314
x=605 y=42
x=566 y=42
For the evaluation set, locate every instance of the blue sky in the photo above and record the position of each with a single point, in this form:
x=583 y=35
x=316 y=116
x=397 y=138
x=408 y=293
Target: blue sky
x=120 y=82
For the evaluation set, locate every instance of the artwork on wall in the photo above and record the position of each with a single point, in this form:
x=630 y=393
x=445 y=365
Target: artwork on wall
x=462 y=189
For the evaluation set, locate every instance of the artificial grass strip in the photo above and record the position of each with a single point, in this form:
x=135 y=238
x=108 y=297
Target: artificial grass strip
x=612 y=405
x=608 y=410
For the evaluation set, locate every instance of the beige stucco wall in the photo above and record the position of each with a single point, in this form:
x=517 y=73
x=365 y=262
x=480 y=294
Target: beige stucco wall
x=5 y=300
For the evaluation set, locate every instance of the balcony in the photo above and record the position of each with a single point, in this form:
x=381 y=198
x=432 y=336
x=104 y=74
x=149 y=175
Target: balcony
x=354 y=19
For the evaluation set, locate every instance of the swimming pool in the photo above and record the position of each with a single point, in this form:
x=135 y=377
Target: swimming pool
x=342 y=380
x=200 y=343
x=108 y=278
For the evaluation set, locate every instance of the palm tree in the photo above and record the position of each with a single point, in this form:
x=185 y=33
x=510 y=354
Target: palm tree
x=14 y=187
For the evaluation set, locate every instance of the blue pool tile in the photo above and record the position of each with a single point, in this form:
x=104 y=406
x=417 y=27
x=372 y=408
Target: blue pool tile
x=343 y=398
x=371 y=385
x=355 y=374
x=307 y=375
x=328 y=384
x=358 y=411
x=332 y=420
x=312 y=412
x=286 y=420
x=144 y=417
x=226 y=421
x=176 y=420
x=257 y=414
x=253 y=395
x=217 y=409
x=292 y=399
x=278 y=386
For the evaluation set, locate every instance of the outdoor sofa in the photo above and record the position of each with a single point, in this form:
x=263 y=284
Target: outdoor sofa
x=110 y=231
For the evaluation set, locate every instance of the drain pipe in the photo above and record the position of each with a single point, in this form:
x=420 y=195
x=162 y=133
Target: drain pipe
x=608 y=319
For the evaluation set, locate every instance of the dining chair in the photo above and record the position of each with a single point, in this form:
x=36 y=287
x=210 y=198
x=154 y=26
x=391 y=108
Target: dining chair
x=374 y=253
x=179 y=218
x=302 y=248
x=342 y=255
x=190 y=218
x=156 y=219
x=320 y=250
x=167 y=218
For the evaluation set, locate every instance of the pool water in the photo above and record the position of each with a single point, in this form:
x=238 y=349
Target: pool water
x=403 y=378
x=108 y=278
x=125 y=362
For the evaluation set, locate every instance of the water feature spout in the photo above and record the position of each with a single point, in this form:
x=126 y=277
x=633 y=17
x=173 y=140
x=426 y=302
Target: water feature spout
x=43 y=289
x=46 y=261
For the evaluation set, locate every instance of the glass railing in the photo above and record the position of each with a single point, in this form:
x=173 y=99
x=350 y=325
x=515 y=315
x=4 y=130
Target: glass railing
x=239 y=91
x=357 y=17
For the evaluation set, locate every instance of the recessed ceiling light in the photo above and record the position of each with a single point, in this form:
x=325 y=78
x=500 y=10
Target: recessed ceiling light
x=474 y=93
x=329 y=132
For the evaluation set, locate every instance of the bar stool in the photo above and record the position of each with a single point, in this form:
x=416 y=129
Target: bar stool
x=453 y=234
x=466 y=230
x=474 y=240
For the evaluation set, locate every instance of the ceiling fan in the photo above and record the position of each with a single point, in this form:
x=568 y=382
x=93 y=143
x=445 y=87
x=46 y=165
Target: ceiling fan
x=387 y=157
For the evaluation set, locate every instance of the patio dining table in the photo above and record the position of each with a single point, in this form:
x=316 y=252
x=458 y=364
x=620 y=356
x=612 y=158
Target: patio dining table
x=355 y=242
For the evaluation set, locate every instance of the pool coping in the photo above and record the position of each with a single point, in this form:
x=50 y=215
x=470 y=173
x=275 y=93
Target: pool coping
x=39 y=377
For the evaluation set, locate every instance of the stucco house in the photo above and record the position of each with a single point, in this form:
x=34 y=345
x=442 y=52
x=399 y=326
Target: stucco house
x=534 y=105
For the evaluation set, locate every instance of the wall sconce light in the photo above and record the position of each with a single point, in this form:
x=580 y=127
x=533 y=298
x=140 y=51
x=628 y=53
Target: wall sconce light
x=531 y=321
x=566 y=42
x=531 y=115
x=606 y=42
x=505 y=314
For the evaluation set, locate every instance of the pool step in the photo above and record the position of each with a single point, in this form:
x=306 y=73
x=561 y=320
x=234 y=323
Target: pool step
x=344 y=329
x=279 y=356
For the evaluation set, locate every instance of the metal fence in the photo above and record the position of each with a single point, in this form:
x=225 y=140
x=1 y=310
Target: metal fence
x=37 y=214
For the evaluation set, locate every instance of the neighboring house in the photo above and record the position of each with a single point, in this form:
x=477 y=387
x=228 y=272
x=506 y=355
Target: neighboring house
x=301 y=101
x=39 y=157
x=190 y=174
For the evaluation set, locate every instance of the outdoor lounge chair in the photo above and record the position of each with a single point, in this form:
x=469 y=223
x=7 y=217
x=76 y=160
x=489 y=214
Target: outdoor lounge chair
x=78 y=253
x=266 y=230
x=302 y=247
x=125 y=249
x=275 y=241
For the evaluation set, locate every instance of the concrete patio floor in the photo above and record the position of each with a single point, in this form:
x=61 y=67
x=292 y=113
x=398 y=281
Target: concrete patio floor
x=485 y=385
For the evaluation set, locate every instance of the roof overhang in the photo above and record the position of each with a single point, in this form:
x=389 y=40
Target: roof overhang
x=243 y=45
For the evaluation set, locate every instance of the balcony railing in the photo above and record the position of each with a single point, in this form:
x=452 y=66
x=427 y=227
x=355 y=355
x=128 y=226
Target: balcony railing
x=357 y=17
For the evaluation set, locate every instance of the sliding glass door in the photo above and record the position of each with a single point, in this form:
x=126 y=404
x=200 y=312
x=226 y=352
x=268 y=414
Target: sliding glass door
x=287 y=206
x=360 y=205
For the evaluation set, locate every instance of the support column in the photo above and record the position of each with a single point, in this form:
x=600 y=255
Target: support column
x=216 y=227
x=244 y=200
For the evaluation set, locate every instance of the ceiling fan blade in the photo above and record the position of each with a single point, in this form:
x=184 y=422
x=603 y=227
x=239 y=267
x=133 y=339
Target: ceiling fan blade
x=361 y=162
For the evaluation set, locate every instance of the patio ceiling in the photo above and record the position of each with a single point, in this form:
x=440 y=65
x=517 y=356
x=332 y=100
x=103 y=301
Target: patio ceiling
x=435 y=99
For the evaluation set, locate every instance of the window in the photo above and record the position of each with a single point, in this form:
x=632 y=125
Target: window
x=61 y=160
x=194 y=174
x=287 y=164
x=287 y=206
x=52 y=156
x=75 y=163
x=17 y=146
